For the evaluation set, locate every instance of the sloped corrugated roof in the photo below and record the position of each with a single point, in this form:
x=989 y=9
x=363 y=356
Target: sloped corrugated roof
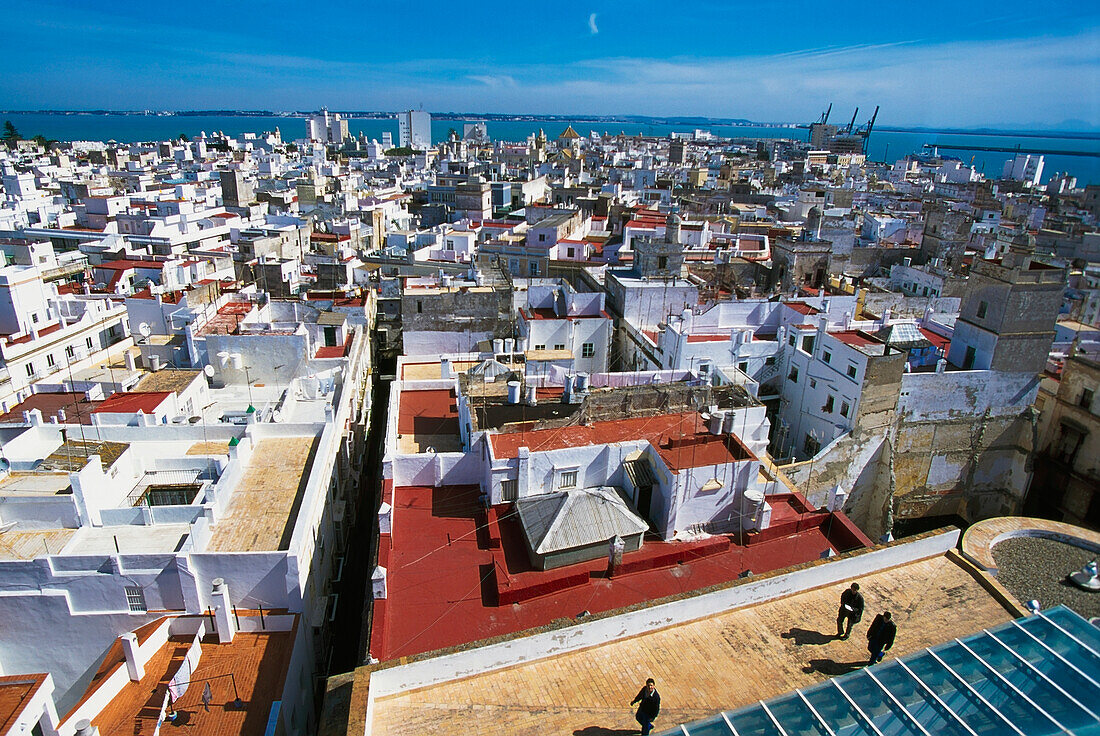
x=565 y=520
x=489 y=367
x=903 y=335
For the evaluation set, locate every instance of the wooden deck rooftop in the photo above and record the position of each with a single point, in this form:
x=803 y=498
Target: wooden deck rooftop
x=261 y=513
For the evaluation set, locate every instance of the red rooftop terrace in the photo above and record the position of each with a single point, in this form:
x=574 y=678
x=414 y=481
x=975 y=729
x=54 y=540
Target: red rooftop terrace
x=458 y=572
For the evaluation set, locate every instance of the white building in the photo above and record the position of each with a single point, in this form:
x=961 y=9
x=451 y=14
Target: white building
x=136 y=517
x=560 y=326
x=326 y=127
x=1025 y=167
x=414 y=129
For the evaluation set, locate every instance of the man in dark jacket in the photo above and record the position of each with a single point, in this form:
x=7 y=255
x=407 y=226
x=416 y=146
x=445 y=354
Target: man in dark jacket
x=649 y=705
x=851 y=611
x=880 y=637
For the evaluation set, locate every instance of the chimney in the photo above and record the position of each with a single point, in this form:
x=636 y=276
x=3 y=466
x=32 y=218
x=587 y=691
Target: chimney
x=385 y=518
x=223 y=611
x=84 y=727
x=131 y=364
x=134 y=667
x=378 y=582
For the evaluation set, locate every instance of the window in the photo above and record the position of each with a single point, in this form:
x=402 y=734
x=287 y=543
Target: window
x=50 y=361
x=567 y=479
x=826 y=356
x=88 y=342
x=1086 y=398
x=793 y=375
x=968 y=358
x=811 y=445
x=588 y=350
x=135 y=598
x=508 y=490
x=540 y=347
x=743 y=366
x=34 y=317
x=769 y=360
x=844 y=408
x=30 y=370
x=983 y=307
x=1069 y=442
x=542 y=237
x=534 y=268
x=559 y=346
x=828 y=408
x=790 y=340
x=808 y=343
x=70 y=352
x=813 y=383
x=569 y=252
x=419 y=307
x=662 y=261
x=851 y=371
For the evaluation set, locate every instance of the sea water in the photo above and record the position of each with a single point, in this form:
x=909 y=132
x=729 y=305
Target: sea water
x=888 y=145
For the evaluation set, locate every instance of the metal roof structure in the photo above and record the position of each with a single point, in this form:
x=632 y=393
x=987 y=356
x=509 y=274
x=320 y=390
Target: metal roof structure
x=1032 y=676
x=903 y=335
x=575 y=518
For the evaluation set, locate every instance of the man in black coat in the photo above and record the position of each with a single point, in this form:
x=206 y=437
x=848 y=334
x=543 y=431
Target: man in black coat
x=880 y=637
x=649 y=705
x=851 y=611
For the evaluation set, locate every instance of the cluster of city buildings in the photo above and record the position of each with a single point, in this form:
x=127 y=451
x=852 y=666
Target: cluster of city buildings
x=629 y=383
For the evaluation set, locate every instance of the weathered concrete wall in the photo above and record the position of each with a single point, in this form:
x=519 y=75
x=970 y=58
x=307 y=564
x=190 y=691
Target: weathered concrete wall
x=956 y=443
x=476 y=310
x=901 y=305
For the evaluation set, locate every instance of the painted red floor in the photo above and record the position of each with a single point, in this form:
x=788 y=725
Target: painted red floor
x=427 y=412
x=442 y=590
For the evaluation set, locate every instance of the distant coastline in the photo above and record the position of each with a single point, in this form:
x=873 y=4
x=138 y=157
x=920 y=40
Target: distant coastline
x=593 y=119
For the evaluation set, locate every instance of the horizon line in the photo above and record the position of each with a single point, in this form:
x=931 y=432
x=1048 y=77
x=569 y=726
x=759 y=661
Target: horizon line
x=620 y=117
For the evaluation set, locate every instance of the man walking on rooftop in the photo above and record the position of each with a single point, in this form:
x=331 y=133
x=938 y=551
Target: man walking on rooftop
x=649 y=705
x=880 y=637
x=851 y=611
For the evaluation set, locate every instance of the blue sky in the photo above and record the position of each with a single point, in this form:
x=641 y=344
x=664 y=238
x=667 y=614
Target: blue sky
x=960 y=63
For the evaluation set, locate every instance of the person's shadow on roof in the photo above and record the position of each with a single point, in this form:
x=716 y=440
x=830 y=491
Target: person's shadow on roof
x=831 y=667
x=806 y=636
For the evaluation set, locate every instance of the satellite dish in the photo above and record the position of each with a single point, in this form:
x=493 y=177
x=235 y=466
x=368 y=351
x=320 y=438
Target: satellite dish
x=208 y=370
x=276 y=416
x=145 y=330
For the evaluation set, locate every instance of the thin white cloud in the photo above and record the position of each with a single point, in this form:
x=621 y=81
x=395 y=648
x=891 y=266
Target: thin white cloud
x=592 y=24
x=493 y=80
